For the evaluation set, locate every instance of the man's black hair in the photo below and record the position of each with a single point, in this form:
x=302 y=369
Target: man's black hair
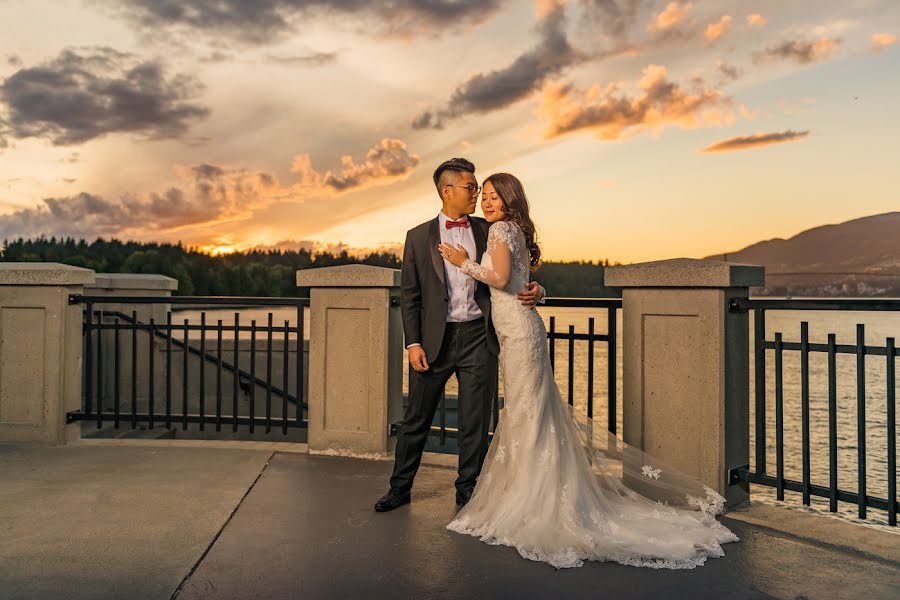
x=454 y=164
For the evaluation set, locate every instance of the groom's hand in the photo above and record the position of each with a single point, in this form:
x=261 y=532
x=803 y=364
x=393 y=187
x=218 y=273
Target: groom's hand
x=531 y=294
x=417 y=358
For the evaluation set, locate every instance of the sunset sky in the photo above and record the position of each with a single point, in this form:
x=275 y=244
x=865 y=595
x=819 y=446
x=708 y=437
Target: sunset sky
x=642 y=129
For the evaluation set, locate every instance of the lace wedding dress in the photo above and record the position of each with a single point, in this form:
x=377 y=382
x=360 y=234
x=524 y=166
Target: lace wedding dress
x=551 y=486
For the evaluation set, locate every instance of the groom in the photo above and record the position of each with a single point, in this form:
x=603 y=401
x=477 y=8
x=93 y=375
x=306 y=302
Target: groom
x=447 y=325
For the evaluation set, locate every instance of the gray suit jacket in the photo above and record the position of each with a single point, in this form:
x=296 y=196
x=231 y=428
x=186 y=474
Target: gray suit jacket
x=423 y=287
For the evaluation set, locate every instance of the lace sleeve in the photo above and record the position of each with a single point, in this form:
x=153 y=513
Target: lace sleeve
x=501 y=244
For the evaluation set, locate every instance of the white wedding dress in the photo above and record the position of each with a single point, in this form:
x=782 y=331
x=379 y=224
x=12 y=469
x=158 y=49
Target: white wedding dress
x=549 y=487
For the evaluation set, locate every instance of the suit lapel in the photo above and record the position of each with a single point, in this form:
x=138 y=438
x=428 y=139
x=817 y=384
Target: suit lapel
x=480 y=232
x=434 y=240
x=482 y=295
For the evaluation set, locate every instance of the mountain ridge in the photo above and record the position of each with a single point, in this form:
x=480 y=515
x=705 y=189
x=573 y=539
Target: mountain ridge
x=859 y=256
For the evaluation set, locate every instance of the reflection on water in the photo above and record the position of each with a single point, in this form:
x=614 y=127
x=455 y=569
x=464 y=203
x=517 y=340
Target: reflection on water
x=878 y=327
x=280 y=314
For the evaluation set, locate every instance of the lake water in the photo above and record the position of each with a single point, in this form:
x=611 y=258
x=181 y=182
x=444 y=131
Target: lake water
x=878 y=327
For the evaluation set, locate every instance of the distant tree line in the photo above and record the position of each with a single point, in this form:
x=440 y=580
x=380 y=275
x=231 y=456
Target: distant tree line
x=253 y=272
x=579 y=279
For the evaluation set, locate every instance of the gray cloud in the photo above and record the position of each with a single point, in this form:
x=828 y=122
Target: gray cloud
x=485 y=92
x=801 y=51
x=216 y=57
x=82 y=95
x=14 y=60
x=260 y=21
x=729 y=71
x=616 y=17
x=82 y=215
x=313 y=59
x=756 y=140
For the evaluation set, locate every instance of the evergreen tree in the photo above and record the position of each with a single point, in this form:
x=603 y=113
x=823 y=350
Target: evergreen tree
x=250 y=273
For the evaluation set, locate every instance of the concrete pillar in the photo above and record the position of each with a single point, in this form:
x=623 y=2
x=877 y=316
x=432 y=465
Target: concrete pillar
x=40 y=351
x=130 y=284
x=355 y=359
x=686 y=365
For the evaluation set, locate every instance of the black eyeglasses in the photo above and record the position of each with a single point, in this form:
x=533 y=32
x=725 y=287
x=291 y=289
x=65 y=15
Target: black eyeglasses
x=473 y=189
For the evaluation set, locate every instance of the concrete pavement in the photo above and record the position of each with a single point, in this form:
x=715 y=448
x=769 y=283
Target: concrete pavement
x=112 y=519
x=307 y=530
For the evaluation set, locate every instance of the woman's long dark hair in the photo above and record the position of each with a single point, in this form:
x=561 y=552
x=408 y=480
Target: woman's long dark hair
x=515 y=205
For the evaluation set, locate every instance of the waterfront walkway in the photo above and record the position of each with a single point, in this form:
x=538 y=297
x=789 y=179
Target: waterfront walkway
x=238 y=520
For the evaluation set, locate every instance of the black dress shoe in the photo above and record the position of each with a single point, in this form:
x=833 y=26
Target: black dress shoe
x=463 y=497
x=393 y=499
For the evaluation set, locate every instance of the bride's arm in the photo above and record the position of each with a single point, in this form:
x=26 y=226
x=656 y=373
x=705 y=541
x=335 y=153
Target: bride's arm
x=501 y=260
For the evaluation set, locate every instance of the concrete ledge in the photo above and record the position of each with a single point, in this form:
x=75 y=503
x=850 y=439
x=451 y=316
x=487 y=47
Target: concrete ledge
x=134 y=281
x=871 y=541
x=290 y=447
x=349 y=276
x=43 y=273
x=685 y=272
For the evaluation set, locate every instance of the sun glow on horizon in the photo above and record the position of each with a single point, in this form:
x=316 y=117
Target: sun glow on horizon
x=214 y=250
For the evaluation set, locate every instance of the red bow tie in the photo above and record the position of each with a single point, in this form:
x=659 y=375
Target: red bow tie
x=452 y=224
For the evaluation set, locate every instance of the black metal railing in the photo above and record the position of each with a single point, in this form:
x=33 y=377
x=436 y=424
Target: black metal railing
x=889 y=352
x=443 y=428
x=611 y=306
x=175 y=336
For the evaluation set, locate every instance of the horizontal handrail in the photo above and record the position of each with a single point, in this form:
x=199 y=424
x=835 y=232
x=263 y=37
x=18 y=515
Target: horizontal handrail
x=583 y=302
x=207 y=300
x=860 y=304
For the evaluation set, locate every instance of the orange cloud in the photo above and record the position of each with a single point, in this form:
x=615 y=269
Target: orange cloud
x=205 y=195
x=716 y=30
x=880 y=41
x=674 y=14
x=613 y=116
x=756 y=140
x=545 y=7
x=386 y=162
x=756 y=20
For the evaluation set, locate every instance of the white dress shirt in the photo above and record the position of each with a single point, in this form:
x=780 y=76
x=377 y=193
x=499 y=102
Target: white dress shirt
x=460 y=287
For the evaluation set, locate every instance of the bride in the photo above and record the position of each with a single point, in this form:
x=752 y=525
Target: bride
x=551 y=486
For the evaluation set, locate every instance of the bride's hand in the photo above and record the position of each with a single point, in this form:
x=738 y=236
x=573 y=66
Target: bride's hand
x=455 y=256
